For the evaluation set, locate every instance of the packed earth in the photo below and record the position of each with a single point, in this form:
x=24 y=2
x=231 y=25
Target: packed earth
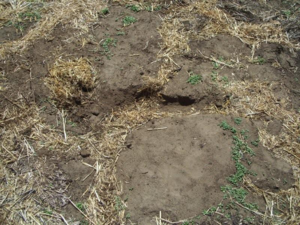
x=150 y=112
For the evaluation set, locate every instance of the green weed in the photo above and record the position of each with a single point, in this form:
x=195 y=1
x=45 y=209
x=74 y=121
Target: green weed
x=150 y=9
x=84 y=222
x=259 y=60
x=80 y=206
x=248 y=220
x=194 y=78
x=134 y=8
x=128 y=20
x=108 y=42
x=214 y=75
x=119 y=206
x=209 y=211
x=255 y=143
x=31 y=16
x=225 y=79
x=239 y=195
x=216 y=65
x=287 y=13
x=244 y=134
x=237 y=121
x=225 y=126
x=48 y=212
x=120 y=33
x=105 y=11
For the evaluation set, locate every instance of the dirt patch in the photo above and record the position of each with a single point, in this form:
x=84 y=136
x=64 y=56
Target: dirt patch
x=13 y=32
x=203 y=92
x=174 y=162
x=286 y=12
x=9 y=34
x=224 y=59
x=121 y=55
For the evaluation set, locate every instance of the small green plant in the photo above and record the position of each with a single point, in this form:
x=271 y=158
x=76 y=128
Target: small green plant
x=127 y=216
x=255 y=143
x=71 y=123
x=157 y=8
x=149 y=8
x=84 y=222
x=239 y=195
x=80 y=206
x=194 y=78
x=8 y=23
x=119 y=206
x=19 y=26
x=214 y=75
x=48 y=212
x=120 y=33
x=209 y=211
x=216 y=65
x=287 y=13
x=244 y=134
x=105 y=11
x=259 y=60
x=128 y=20
x=31 y=16
x=133 y=8
x=237 y=121
x=107 y=43
x=225 y=126
x=248 y=220
x=225 y=79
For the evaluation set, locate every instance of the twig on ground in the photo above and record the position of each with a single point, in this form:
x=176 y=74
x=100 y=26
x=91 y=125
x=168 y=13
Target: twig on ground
x=159 y=128
x=63 y=218
x=64 y=124
x=81 y=211
x=215 y=60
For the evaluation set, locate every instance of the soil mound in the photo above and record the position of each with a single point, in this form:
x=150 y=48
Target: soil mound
x=177 y=166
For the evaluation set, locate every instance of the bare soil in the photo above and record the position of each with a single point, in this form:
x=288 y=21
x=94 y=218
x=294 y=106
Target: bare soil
x=230 y=49
x=177 y=166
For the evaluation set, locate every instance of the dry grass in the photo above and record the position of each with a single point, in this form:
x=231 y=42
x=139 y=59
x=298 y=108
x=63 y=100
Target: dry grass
x=217 y=22
x=68 y=80
x=25 y=197
x=75 y=14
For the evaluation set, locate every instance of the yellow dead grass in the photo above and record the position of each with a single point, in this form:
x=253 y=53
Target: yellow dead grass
x=68 y=79
x=75 y=14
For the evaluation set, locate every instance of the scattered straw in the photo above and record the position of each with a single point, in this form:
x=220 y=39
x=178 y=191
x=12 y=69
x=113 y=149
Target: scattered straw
x=69 y=79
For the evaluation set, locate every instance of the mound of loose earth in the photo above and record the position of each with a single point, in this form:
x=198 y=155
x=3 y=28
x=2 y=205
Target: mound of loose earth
x=225 y=59
x=177 y=166
x=120 y=55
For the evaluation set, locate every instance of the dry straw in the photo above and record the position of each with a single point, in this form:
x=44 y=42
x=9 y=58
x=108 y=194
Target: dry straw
x=77 y=15
x=68 y=80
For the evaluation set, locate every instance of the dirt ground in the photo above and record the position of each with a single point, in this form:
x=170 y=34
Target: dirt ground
x=149 y=112
x=173 y=166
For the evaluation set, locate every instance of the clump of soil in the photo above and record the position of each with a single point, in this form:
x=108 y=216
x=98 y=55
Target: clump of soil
x=177 y=166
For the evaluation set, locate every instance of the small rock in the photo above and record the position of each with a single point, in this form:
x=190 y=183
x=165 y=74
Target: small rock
x=95 y=110
x=85 y=153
